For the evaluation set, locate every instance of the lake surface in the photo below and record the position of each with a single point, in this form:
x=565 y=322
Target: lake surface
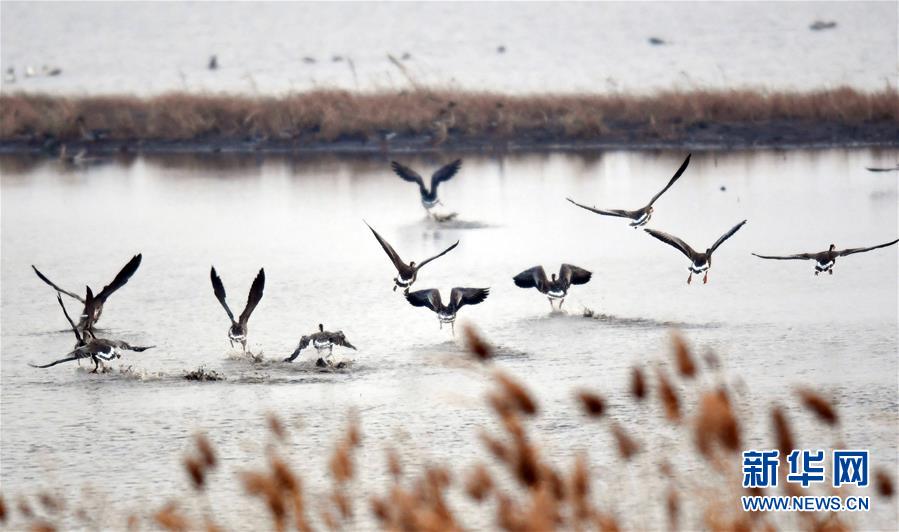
x=122 y=435
x=278 y=47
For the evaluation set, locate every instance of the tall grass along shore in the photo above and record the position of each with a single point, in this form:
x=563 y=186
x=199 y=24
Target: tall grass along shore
x=423 y=119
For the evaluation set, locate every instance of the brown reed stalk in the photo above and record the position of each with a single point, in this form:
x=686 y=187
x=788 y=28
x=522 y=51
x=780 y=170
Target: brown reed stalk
x=682 y=356
x=669 y=398
x=638 y=384
x=593 y=404
x=820 y=406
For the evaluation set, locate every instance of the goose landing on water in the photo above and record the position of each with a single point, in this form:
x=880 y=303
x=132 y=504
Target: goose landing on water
x=88 y=346
x=825 y=260
x=555 y=289
x=238 y=330
x=429 y=198
x=459 y=297
x=642 y=215
x=407 y=272
x=321 y=341
x=699 y=262
x=93 y=304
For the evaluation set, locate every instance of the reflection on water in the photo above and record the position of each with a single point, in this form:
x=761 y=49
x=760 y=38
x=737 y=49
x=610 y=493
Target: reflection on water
x=772 y=325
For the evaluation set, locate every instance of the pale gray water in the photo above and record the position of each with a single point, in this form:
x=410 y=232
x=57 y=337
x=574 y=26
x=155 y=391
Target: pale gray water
x=152 y=47
x=773 y=324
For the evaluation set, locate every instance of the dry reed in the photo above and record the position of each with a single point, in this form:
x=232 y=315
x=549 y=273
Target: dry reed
x=442 y=115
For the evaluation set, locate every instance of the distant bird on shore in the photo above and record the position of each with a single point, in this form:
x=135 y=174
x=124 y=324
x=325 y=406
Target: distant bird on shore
x=238 y=330
x=825 y=260
x=819 y=25
x=700 y=262
x=213 y=63
x=89 y=346
x=642 y=215
x=76 y=159
x=555 y=289
x=321 y=341
x=93 y=304
x=882 y=169
x=459 y=297
x=90 y=135
x=407 y=272
x=10 y=76
x=429 y=197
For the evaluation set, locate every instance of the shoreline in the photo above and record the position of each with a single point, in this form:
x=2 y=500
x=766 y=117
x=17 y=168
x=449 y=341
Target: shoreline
x=427 y=120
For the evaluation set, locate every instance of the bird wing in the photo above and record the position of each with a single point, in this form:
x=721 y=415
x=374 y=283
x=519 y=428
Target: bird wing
x=72 y=323
x=125 y=345
x=531 y=278
x=727 y=235
x=339 y=338
x=121 y=278
x=673 y=241
x=445 y=173
x=254 y=297
x=607 y=212
x=677 y=175
x=460 y=297
x=574 y=275
x=219 y=290
x=398 y=263
x=304 y=342
x=425 y=298
x=408 y=174
x=437 y=256
x=42 y=277
x=850 y=251
x=74 y=355
x=798 y=256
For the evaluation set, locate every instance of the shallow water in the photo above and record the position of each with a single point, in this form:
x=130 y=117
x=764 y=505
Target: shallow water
x=773 y=324
x=150 y=48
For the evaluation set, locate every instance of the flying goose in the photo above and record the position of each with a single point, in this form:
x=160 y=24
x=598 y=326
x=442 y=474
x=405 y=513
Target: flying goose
x=701 y=262
x=89 y=346
x=555 y=289
x=825 y=260
x=320 y=341
x=459 y=297
x=643 y=214
x=428 y=197
x=93 y=304
x=238 y=330
x=407 y=272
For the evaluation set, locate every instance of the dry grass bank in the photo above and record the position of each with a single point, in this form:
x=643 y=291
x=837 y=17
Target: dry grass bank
x=460 y=118
x=518 y=487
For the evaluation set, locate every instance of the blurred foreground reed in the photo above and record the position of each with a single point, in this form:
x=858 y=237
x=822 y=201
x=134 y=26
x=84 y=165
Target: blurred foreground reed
x=520 y=487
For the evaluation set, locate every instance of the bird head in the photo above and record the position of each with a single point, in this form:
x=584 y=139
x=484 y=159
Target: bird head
x=321 y=328
x=412 y=264
x=554 y=277
x=831 y=248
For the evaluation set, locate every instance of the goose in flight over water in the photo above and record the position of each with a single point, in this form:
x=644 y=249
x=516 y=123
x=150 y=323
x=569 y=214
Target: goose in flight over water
x=93 y=304
x=238 y=330
x=642 y=215
x=407 y=272
x=88 y=346
x=555 y=289
x=428 y=197
x=321 y=341
x=700 y=262
x=459 y=297
x=825 y=260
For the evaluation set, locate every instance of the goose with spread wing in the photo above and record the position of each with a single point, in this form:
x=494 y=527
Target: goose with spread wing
x=321 y=341
x=93 y=304
x=557 y=288
x=825 y=260
x=699 y=262
x=238 y=330
x=88 y=346
x=642 y=215
x=446 y=313
x=407 y=272
x=428 y=196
